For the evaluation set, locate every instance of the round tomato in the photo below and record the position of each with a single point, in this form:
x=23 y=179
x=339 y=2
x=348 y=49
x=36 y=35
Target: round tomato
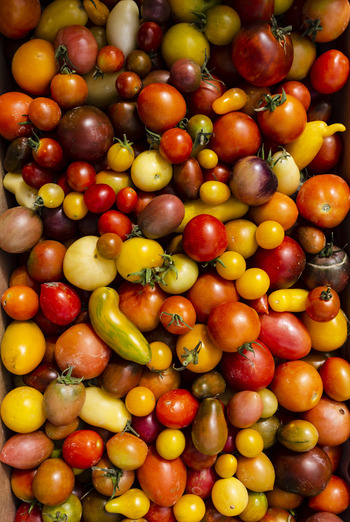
x=150 y=171
x=69 y=90
x=183 y=40
x=138 y=254
x=99 y=198
x=335 y=498
x=204 y=238
x=327 y=336
x=140 y=401
x=20 y=302
x=322 y=303
x=141 y=304
x=324 y=200
x=13 y=105
x=53 y=481
x=229 y=496
x=196 y=351
x=177 y=314
x=170 y=443
x=175 y=145
x=59 y=302
x=327 y=20
x=189 y=508
x=115 y=222
x=335 y=375
x=22 y=409
x=177 y=408
x=44 y=113
x=82 y=449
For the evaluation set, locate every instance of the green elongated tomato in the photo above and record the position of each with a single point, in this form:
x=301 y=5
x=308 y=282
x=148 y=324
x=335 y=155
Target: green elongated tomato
x=115 y=328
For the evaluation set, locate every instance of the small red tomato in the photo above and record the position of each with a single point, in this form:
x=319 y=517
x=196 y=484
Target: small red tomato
x=47 y=152
x=126 y=200
x=110 y=59
x=20 y=302
x=322 y=303
x=99 y=198
x=115 y=222
x=59 y=303
x=177 y=408
x=82 y=449
x=175 y=145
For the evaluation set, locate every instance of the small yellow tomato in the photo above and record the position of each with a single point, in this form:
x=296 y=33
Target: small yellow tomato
x=269 y=234
x=74 y=206
x=230 y=265
x=222 y=25
x=241 y=237
x=22 y=409
x=161 y=356
x=170 y=443
x=288 y=300
x=140 y=401
x=254 y=283
x=249 y=442
x=232 y=100
x=214 y=192
x=207 y=158
x=229 y=496
x=133 y=504
x=226 y=465
x=281 y=6
x=327 y=336
x=116 y=180
x=120 y=155
x=150 y=171
x=22 y=347
x=52 y=195
x=256 y=508
x=189 y=508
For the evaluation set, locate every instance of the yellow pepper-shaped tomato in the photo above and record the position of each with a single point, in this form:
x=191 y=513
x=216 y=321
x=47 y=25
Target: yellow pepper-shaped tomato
x=232 y=100
x=102 y=410
x=288 y=300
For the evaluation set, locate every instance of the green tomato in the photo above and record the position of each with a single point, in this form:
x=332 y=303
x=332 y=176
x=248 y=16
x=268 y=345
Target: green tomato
x=182 y=10
x=71 y=508
x=184 y=40
x=183 y=277
x=223 y=23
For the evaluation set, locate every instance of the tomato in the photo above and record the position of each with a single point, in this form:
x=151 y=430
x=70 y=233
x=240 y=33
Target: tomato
x=227 y=19
x=105 y=478
x=195 y=350
x=149 y=36
x=183 y=40
x=126 y=200
x=329 y=72
x=71 y=507
x=177 y=314
x=34 y=65
x=175 y=145
x=327 y=335
x=78 y=46
x=204 y=238
x=253 y=283
x=231 y=324
x=150 y=171
x=170 y=443
x=115 y=222
x=160 y=106
x=322 y=303
x=21 y=483
x=22 y=409
x=280 y=208
x=327 y=410
x=59 y=302
x=297 y=89
x=328 y=155
x=269 y=234
x=332 y=17
x=141 y=304
x=297 y=385
x=110 y=59
x=45 y=261
x=335 y=498
x=20 y=302
x=80 y=175
x=12 y=107
x=230 y=265
x=249 y=442
x=44 y=113
x=120 y=156
x=82 y=449
x=229 y=496
x=126 y=451
x=250 y=368
x=69 y=90
x=52 y=195
x=47 y=152
x=251 y=47
x=74 y=206
x=140 y=401
x=19 y=18
x=226 y=465
x=304 y=55
x=27 y=513
x=241 y=237
x=235 y=135
x=253 y=11
x=176 y=408
x=335 y=375
x=136 y=255
x=189 y=508
x=281 y=118
x=53 y=481
x=208 y=159
x=99 y=198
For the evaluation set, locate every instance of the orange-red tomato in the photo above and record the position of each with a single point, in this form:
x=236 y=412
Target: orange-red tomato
x=20 y=302
x=19 y=17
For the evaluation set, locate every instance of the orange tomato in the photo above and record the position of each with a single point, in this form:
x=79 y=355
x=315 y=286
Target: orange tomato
x=280 y=208
x=34 y=66
x=20 y=302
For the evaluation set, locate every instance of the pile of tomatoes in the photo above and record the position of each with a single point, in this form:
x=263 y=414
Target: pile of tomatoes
x=176 y=312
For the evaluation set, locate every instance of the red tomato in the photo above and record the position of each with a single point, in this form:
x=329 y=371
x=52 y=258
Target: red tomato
x=335 y=498
x=126 y=200
x=149 y=36
x=20 y=302
x=44 y=113
x=250 y=368
x=175 y=145
x=79 y=45
x=35 y=175
x=235 y=135
x=204 y=238
x=160 y=106
x=45 y=261
x=99 y=198
x=80 y=175
x=324 y=200
x=59 y=302
x=13 y=105
x=176 y=408
x=18 y=18
x=285 y=335
x=47 y=152
x=28 y=513
x=330 y=15
x=110 y=59
x=69 y=90
x=335 y=375
x=329 y=72
x=231 y=324
x=21 y=483
x=322 y=303
x=298 y=90
x=327 y=157
x=128 y=84
x=115 y=222
x=82 y=449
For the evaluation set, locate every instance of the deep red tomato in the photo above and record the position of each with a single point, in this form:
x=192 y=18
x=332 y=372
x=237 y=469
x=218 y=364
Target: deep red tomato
x=82 y=449
x=322 y=303
x=324 y=200
x=175 y=145
x=116 y=222
x=262 y=53
x=285 y=335
x=28 y=513
x=252 y=10
x=297 y=89
x=99 y=198
x=235 y=135
x=250 y=368
x=204 y=238
x=35 y=175
x=177 y=408
x=162 y=480
x=126 y=200
x=160 y=106
x=80 y=175
x=231 y=324
x=220 y=172
x=47 y=152
x=329 y=72
x=128 y=84
x=327 y=157
x=283 y=264
x=200 y=481
x=59 y=302
x=158 y=513
x=149 y=36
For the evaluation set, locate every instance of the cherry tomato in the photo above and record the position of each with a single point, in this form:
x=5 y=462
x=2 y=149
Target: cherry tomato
x=204 y=238
x=128 y=84
x=80 y=175
x=329 y=72
x=140 y=401
x=126 y=200
x=196 y=351
x=170 y=443
x=82 y=449
x=44 y=113
x=47 y=152
x=335 y=375
x=175 y=145
x=149 y=36
x=20 y=302
x=99 y=198
x=322 y=303
x=59 y=302
x=69 y=90
x=110 y=59
x=115 y=222
x=126 y=451
x=177 y=314
x=177 y=408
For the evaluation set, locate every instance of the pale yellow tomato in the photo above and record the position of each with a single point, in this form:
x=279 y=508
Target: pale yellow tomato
x=150 y=171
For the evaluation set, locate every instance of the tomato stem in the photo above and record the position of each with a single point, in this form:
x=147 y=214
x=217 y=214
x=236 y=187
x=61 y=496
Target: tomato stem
x=190 y=356
x=114 y=473
x=66 y=377
x=312 y=28
x=177 y=319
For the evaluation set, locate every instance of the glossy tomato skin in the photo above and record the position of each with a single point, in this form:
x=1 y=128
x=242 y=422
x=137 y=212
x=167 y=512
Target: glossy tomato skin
x=259 y=57
x=329 y=72
x=235 y=135
x=59 y=302
x=204 y=238
x=177 y=408
x=251 y=368
x=162 y=480
x=82 y=449
x=12 y=107
x=24 y=513
x=283 y=264
x=285 y=335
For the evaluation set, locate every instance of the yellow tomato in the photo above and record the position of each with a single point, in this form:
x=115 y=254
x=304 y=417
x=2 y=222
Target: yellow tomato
x=223 y=23
x=133 y=504
x=161 y=356
x=170 y=443
x=120 y=156
x=254 y=283
x=140 y=401
x=256 y=507
x=57 y=14
x=256 y=473
x=288 y=300
x=281 y=6
x=270 y=403
x=183 y=40
x=328 y=335
x=214 y=192
x=34 y=65
x=229 y=496
x=102 y=410
x=249 y=442
x=230 y=265
x=226 y=465
x=287 y=172
x=189 y=508
x=74 y=206
x=196 y=351
x=208 y=159
x=22 y=409
x=116 y=180
x=52 y=195
x=241 y=237
x=269 y=234
x=183 y=277
x=233 y=99
x=22 y=347
x=150 y=171
x=137 y=254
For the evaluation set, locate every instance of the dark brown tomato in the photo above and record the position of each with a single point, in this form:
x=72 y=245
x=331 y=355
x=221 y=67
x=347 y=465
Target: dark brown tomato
x=121 y=376
x=161 y=216
x=125 y=120
x=195 y=459
x=252 y=10
x=41 y=376
x=187 y=179
x=220 y=61
x=209 y=427
x=139 y=62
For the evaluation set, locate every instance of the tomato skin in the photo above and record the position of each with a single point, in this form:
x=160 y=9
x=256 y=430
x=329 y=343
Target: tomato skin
x=82 y=449
x=59 y=302
x=12 y=107
x=329 y=72
x=20 y=302
x=204 y=238
x=335 y=498
x=53 y=481
x=235 y=135
x=177 y=408
x=24 y=515
x=69 y=90
x=175 y=145
x=322 y=303
x=250 y=368
x=160 y=106
x=324 y=200
x=171 y=478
